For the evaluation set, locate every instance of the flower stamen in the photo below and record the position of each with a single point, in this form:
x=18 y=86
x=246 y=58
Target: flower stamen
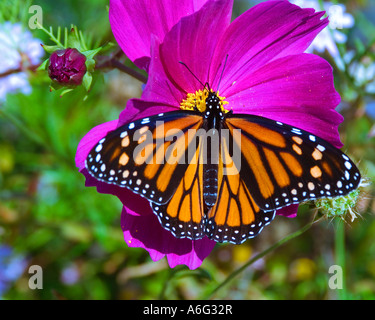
x=197 y=101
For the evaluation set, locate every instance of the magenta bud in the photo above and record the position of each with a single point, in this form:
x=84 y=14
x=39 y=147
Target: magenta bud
x=67 y=66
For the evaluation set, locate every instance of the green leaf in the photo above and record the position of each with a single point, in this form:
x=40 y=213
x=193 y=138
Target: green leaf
x=73 y=39
x=90 y=65
x=87 y=80
x=66 y=91
x=51 y=49
x=43 y=66
x=91 y=53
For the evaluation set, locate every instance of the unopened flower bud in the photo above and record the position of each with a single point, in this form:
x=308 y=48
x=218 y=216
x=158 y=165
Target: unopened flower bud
x=67 y=66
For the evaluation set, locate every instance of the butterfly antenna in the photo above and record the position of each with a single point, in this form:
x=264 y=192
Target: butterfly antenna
x=184 y=64
x=208 y=86
x=225 y=62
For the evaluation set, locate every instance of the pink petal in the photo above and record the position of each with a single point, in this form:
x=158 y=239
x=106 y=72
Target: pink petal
x=289 y=211
x=297 y=90
x=91 y=139
x=132 y=200
x=160 y=87
x=138 y=109
x=134 y=21
x=169 y=81
x=162 y=98
x=193 y=41
x=146 y=232
x=269 y=30
x=199 y=251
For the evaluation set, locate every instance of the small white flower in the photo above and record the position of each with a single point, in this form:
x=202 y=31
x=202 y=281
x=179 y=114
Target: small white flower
x=18 y=51
x=363 y=72
x=329 y=36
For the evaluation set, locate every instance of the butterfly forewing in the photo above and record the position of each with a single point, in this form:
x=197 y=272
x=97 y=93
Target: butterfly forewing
x=147 y=156
x=282 y=165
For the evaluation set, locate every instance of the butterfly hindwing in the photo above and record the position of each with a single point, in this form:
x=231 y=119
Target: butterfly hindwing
x=184 y=215
x=235 y=217
x=147 y=156
x=283 y=165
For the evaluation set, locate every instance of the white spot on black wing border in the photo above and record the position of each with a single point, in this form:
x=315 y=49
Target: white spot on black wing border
x=238 y=235
x=180 y=229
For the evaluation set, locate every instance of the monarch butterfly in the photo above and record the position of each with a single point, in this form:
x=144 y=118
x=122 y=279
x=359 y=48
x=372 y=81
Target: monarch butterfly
x=277 y=165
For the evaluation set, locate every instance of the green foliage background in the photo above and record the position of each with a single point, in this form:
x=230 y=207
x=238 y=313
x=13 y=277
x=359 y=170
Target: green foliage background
x=48 y=215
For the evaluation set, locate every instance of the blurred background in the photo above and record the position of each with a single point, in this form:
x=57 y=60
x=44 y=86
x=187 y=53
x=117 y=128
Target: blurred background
x=49 y=218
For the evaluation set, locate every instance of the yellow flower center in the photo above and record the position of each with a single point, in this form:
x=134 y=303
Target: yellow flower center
x=198 y=100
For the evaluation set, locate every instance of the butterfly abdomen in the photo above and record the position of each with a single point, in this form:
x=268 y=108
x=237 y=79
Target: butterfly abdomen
x=210 y=184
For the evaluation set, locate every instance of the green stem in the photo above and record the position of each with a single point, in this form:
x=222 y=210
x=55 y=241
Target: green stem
x=112 y=62
x=123 y=68
x=261 y=255
x=50 y=33
x=20 y=126
x=171 y=273
x=32 y=136
x=340 y=255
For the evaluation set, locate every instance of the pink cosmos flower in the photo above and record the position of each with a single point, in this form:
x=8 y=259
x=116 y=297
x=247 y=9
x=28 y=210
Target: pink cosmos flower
x=266 y=73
